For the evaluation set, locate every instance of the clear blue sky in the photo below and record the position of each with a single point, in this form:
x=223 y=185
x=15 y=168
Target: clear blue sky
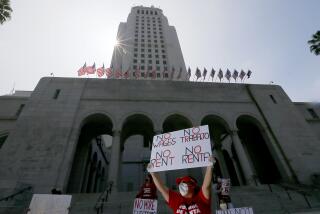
x=267 y=36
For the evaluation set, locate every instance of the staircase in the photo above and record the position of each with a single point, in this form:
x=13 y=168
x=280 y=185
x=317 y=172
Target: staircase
x=264 y=199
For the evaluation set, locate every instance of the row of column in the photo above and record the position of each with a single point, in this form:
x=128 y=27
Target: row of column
x=115 y=160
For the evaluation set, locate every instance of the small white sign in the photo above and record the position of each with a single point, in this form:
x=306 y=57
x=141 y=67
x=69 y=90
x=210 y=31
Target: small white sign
x=145 y=206
x=225 y=186
x=187 y=148
x=49 y=204
x=242 y=210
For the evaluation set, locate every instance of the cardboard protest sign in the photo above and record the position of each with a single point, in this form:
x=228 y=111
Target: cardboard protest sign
x=242 y=210
x=50 y=204
x=225 y=186
x=145 y=206
x=187 y=148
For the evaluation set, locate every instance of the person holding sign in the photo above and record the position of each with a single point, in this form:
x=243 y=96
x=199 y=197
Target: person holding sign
x=191 y=198
x=148 y=189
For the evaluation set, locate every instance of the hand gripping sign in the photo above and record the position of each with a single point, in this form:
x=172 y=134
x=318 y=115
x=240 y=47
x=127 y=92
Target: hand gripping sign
x=187 y=148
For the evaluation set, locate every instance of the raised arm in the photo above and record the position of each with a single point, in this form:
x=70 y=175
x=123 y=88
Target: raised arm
x=206 y=185
x=160 y=186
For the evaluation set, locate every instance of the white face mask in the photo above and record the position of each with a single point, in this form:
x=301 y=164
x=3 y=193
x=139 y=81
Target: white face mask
x=183 y=189
x=223 y=206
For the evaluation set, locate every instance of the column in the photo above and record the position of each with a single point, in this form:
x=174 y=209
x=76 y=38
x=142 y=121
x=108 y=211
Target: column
x=237 y=170
x=223 y=167
x=115 y=160
x=243 y=159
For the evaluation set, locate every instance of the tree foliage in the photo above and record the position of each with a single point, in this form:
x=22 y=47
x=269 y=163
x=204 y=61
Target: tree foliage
x=5 y=11
x=315 y=43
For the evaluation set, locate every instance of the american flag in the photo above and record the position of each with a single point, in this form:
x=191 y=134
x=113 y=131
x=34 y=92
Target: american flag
x=198 y=73
x=109 y=72
x=228 y=75
x=100 y=71
x=91 y=69
x=137 y=73
x=235 y=75
x=204 y=74
x=212 y=73
x=242 y=74
x=126 y=74
x=118 y=74
x=249 y=74
x=154 y=74
x=82 y=70
x=220 y=74
x=189 y=73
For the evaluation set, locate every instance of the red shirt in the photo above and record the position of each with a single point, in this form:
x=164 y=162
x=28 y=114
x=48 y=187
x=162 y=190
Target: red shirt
x=148 y=192
x=197 y=204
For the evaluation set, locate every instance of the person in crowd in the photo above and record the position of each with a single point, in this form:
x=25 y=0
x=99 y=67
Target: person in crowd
x=191 y=198
x=223 y=196
x=148 y=189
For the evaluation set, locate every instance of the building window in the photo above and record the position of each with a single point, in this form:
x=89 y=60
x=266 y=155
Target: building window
x=138 y=11
x=158 y=75
x=150 y=61
x=151 y=12
x=157 y=56
x=56 y=94
x=155 y=41
x=166 y=75
x=135 y=45
x=136 y=49
x=149 y=50
x=142 y=74
x=142 y=67
x=142 y=61
x=149 y=45
x=273 y=99
x=149 y=56
x=142 y=55
x=163 y=51
x=142 y=40
x=134 y=67
x=156 y=45
x=161 y=41
x=142 y=50
x=163 y=56
x=156 y=50
x=19 y=110
x=135 y=61
x=164 y=62
x=142 y=11
x=135 y=55
x=156 y=13
x=147 y=12
x=313 y=113
x=158 y=68
x=157 y=62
